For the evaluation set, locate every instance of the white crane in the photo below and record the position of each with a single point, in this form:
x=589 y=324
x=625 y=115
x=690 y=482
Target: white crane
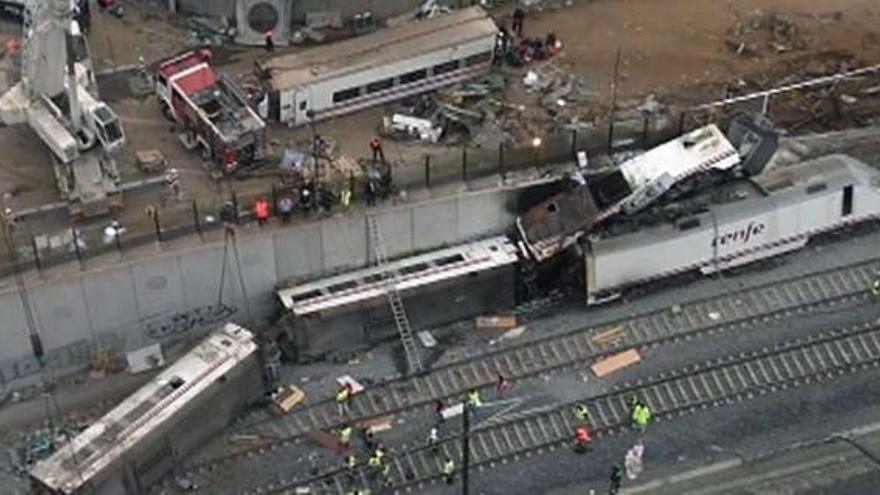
x=57 y=97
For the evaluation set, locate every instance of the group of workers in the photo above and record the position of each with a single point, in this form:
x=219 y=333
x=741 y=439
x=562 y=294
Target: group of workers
x=516 y=50
x=377 y=186
x=640 y=417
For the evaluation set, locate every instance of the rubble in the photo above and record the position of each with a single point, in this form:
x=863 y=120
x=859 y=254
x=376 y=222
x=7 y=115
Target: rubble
x=413 y=127
x=761 y=32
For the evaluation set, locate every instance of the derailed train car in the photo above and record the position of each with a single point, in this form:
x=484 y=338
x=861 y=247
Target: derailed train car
x=345 y=312
x=143 y=437
x=731 y=225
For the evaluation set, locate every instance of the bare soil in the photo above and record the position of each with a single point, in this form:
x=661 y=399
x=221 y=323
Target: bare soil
x=668 y=47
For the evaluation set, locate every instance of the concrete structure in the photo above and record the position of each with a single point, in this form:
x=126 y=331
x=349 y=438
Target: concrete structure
x=173 y=296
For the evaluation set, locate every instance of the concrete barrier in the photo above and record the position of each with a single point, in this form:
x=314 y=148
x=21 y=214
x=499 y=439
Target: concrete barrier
x=176 y=295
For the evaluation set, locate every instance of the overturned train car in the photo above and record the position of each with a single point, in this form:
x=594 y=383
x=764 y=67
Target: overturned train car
x=343 y=313
x=731 y=225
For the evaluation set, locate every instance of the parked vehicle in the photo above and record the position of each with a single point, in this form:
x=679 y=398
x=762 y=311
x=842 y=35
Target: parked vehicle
x=213 y=112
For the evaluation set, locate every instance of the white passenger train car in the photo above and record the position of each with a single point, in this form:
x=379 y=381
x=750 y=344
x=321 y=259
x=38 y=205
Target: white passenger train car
x=344 y=312
x=140 y=440
x=389 y=64
x=776 y=212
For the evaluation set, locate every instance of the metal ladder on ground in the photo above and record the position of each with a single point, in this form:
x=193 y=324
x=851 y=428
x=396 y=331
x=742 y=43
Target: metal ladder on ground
x=392 y=279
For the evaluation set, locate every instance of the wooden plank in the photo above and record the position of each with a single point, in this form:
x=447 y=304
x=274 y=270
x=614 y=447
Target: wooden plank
x=496 y=322
x=612 y=334
x=615 y=362
x=375 y=425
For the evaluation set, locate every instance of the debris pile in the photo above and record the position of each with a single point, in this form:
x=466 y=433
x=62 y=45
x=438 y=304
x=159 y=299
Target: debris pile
x=761 y=32
x=207 y=31
x=452 y=115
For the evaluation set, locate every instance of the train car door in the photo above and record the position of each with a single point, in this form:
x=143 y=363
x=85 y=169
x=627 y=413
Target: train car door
x=286 y=105
x=303 y=106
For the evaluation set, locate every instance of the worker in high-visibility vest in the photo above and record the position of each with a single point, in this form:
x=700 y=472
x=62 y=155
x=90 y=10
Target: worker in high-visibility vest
x=350 y=466
x=641 y=416
x=343 y=396
x=375 y=462
x=448 y=471
x=580 y=412
x=344 y=436
x=875 y=288
x=473 y=399
x=345 y=197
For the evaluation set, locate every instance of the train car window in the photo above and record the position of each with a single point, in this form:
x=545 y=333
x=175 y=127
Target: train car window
x=448 y=260
x=688 y=223
x=418 y=267
x=814 y=188
x=413 y=76
x=480 y=58
x=346 y=94
x=445 y=67
x=305 y=296
x=375 y=277
x=847 y=201
x=351 y=284
x=375 y=87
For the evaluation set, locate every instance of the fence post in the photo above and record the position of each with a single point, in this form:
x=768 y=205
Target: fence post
x=645 y=132
x=76 y=249
x=37 y=262
x=157 y=225
x=351 y=183
x=464 y=163
x=117 y=240
x=610 y=135
x=427 y=171
x=195 y=209
x=274 y=201
x=681 y=123
x=574 y=143
x=501 y=170
x=235 y=206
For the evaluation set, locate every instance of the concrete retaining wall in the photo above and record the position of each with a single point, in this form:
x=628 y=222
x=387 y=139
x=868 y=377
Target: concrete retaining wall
x=175 y=295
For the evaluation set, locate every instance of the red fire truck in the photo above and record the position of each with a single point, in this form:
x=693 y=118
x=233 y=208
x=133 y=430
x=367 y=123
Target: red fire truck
x=212 y=110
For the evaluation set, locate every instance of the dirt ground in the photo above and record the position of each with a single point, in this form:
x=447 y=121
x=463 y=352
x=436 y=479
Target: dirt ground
x=676 y=49
x=670 y=46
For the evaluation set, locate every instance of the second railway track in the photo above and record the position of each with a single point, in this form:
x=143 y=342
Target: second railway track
x=692 y=388
x=740 y=309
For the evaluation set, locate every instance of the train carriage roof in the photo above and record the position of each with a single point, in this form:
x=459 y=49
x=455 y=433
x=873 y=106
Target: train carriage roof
x=379 y=48
x=101 y=444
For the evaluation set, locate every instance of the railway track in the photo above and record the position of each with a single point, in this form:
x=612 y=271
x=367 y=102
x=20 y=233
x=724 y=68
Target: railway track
x=741 y=309
x=714 y=383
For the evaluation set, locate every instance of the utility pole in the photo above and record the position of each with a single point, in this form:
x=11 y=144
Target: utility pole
x=465 y=448
x=311 y=115
x=611 y=115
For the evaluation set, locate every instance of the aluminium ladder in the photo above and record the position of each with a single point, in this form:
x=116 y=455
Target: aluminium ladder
x=391 y=281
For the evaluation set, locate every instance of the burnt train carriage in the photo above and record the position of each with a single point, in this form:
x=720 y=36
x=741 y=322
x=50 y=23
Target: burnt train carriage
x=349 y=311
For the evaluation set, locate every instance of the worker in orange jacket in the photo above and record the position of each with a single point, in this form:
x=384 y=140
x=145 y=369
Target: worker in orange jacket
x=582 y=438
x=376 y=148
x=261 y=210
